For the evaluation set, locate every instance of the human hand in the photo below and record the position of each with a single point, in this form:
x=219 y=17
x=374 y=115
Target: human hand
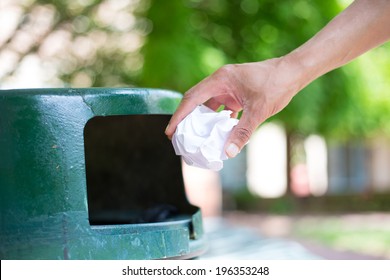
x=260 y=89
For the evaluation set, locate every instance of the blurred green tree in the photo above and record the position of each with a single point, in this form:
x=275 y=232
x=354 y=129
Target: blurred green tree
x=191 y=39
x=175 y=44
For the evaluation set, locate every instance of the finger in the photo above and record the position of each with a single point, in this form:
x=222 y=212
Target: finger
x=182 y=111
x=213 y=104
x=189 y=102
x=234 y=113
x=240 y=135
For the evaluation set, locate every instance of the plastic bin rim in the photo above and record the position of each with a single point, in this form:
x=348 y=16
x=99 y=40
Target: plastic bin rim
x=87 y=91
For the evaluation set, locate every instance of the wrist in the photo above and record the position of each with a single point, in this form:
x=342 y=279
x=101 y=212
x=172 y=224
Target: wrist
x=295 y=73
x=305 y=67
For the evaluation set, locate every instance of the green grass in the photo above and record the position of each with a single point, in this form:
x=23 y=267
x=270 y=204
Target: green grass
x=373 y=239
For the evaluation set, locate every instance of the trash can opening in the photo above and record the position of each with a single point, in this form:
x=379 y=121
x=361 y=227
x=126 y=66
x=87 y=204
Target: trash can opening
x=133 y=175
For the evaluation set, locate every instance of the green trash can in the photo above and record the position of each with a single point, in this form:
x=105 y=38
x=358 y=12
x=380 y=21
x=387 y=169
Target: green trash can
x=89 y=174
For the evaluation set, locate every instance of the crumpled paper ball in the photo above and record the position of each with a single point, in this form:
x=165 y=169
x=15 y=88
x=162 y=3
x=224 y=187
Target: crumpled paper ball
x=200 y=138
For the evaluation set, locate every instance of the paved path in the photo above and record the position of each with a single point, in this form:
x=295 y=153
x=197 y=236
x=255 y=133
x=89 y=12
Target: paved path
x=232 y=239
x=230 y=242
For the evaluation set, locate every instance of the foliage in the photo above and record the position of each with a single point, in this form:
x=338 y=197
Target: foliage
x=85 y=42
x=175 y=44
x=212 y=33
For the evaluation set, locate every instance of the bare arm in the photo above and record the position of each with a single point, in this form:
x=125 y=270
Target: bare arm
x=364 y=25
x=262 y=89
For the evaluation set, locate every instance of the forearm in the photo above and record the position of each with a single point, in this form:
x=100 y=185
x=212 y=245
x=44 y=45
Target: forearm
x=364 y=25
x=262 y=89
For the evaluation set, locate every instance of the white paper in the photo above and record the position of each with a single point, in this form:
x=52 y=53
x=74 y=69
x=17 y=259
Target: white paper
x=200 y=138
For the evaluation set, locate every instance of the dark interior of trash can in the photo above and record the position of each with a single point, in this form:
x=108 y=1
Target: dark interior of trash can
x=133 y=174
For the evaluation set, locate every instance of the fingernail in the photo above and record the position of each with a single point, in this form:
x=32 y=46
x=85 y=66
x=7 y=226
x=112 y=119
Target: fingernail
x=232 y=150
x=166 y=128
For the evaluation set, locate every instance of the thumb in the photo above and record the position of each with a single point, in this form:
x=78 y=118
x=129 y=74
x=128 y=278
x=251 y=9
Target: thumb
x=240 y=135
